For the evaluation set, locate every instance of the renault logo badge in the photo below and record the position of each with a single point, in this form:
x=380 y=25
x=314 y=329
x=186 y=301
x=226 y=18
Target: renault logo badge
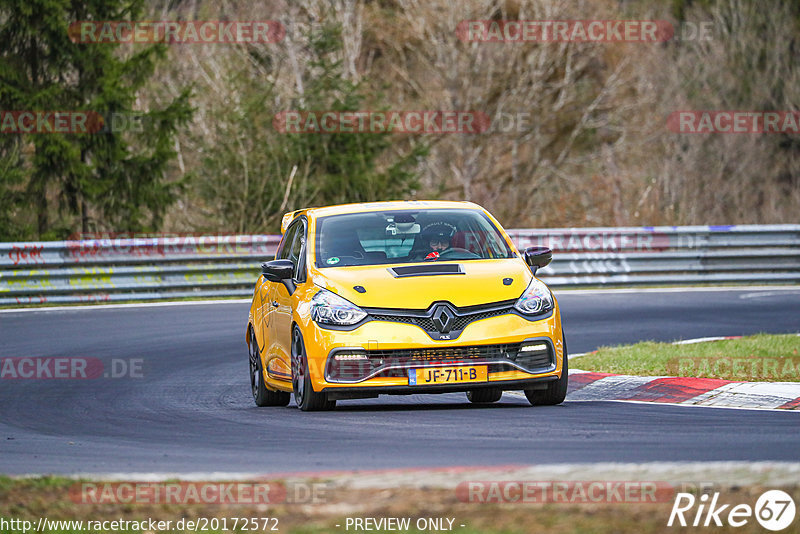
x=443 y=318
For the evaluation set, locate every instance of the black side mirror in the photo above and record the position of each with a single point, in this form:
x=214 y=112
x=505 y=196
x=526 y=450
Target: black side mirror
x=538 y=257
x=277 y=270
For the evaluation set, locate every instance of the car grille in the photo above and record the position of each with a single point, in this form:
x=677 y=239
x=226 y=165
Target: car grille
x=424 y=318
x=393 y=318
x=445 y=353
x=395 y=363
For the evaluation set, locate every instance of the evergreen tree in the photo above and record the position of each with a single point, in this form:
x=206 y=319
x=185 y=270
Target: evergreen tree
x=109 y=180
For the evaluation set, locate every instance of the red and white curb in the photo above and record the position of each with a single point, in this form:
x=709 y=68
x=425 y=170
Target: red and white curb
x=588 y=385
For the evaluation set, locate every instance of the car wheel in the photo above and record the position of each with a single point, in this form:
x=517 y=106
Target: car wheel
x=556 y=391
x=306 y=398
x=261 y=395
x=484 y=395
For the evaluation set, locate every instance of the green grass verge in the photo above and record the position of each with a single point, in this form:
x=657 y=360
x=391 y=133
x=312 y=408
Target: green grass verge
x=762 y=357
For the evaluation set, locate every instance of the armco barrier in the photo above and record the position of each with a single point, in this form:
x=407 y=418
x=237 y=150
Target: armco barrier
x=106 y=270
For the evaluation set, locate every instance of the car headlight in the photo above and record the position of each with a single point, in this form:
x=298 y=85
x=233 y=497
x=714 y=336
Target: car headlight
x=330 y=308
x=536 y=299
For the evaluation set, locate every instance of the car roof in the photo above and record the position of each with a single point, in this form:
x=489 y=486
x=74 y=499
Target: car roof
x=366 y=207
x=390 y=205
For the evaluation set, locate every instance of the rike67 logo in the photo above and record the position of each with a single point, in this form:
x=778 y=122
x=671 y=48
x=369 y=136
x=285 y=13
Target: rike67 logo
x=774 y=510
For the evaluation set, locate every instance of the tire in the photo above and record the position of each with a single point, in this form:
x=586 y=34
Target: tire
x=261 y=395
x=484 y=395
x=305 y=397
x=556 y=391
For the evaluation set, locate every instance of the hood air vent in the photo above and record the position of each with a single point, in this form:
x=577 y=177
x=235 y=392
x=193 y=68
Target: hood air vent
x=426 y=270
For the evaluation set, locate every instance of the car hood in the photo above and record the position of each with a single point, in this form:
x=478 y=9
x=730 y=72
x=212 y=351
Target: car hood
x=482 y=282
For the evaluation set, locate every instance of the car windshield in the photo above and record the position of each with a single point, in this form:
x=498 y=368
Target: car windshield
x=375 y=238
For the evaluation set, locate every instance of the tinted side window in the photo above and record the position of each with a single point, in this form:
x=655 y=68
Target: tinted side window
x=293 y=248
x=288 y=239
x=297 y=246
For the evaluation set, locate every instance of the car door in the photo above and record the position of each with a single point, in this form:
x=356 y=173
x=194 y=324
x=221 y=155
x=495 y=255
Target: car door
x=261 y=311
x=281 y=302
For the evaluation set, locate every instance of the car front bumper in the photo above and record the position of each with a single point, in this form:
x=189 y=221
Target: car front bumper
x=362 y=392
x=389 y=338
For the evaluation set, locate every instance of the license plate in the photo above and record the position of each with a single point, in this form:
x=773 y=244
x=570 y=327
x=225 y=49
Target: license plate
x=447 y=375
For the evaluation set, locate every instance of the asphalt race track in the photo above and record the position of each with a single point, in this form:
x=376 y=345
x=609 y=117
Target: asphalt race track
x=191 y=411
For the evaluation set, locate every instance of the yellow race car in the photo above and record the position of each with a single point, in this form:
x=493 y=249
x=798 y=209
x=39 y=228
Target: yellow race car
x=400 y=298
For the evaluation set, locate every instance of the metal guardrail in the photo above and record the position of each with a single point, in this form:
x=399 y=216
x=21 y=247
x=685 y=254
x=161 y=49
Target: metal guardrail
x=124 y=269
x=668 y=255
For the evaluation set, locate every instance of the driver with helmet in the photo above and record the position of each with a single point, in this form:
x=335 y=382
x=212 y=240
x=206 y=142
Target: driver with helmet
x=436 y=238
